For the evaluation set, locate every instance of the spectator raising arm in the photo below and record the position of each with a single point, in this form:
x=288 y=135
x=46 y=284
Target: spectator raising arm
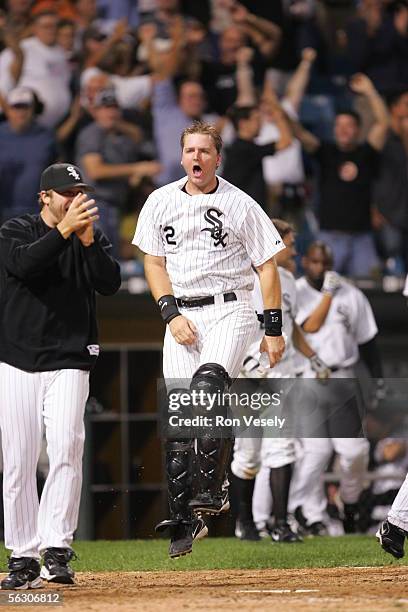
x=164 y=64
x=283 y=125
x=361 y=84
x=95 y=58
x=309 y=141
x=277 y=114
x=67 y=127
x=246 y=95
x=298 y=83
x=262 y=32
x=16 y=66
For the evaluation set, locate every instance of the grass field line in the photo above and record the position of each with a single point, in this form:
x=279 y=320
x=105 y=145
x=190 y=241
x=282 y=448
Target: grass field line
x=350 y=551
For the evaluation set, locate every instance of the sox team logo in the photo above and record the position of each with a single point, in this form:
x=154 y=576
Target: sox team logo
x=72 y=172
x=212 y=216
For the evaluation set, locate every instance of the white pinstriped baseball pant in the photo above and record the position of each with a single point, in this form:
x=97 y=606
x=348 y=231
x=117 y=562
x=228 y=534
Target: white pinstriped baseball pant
x=30 y=402
x=225 y=331
x=255 y=457
x=307 y=487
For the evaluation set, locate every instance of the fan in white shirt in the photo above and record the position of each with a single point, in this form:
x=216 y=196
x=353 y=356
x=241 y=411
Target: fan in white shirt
x=44 y=69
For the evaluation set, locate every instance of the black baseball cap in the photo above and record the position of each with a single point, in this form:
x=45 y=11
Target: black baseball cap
x=106 y=97
x=62 y=177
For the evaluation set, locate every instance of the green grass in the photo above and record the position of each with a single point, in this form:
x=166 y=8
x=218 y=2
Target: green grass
x=229 y=553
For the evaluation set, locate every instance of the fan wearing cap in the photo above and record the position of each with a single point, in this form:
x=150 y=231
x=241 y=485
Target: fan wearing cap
x=25 y=149
x=51 y=266
x=109 y=154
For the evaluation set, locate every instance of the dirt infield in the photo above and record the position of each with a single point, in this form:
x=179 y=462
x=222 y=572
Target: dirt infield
x=356 y=589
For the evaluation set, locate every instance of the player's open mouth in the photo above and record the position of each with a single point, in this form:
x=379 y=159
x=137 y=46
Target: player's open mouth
x=197 y=171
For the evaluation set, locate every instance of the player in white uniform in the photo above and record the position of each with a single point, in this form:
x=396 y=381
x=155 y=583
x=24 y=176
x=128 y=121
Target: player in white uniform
x=394 y=530
x=276 y=454
x=339 y=323
x=201 y=235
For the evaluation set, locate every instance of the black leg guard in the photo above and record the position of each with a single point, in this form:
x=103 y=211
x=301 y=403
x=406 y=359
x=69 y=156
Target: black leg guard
x=179 y=471
x=184 y=526
x=179 y=460
x=213 y=453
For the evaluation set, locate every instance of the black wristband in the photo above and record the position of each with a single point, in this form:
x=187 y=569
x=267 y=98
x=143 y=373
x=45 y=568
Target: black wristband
x=273 y=322
x=168 y=308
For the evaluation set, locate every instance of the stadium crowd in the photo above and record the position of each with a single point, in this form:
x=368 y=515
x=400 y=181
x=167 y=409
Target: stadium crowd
x=311 y=102
x=110 y=85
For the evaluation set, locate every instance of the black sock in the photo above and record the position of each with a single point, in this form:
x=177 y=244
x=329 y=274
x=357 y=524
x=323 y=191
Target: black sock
x=244 y=490
x=279 y=479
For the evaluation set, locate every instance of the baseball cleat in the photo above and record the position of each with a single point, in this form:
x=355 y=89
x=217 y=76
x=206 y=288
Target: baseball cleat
x=392 y=539
x=206 y=503
x=317 y=529
x=264 y=530
x=182 y=542
x=246 y=530
x=305 y=529
x=56 y=565
x=283 y=533
x=182 y=534
x=24 y=574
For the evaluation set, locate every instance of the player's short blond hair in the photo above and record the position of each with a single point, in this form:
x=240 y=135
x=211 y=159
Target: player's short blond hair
x=199 y=127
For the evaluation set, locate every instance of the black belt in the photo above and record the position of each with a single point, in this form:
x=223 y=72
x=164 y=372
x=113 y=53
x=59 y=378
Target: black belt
x=207 y=301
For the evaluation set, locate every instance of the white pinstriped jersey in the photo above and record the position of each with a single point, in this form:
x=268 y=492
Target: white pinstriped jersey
x=285 y=367
x=209 y=240
x=350 y=322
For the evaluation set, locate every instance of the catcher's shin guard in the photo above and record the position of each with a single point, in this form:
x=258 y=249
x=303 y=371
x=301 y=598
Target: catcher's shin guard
x=212 y=457
x=184 y=526
x=179 y=471
x=213 y=446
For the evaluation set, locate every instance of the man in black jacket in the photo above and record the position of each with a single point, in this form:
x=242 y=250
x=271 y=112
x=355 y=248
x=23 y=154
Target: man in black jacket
x=51 y=264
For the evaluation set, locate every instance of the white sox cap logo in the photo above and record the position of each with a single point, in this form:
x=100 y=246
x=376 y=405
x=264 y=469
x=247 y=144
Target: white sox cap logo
x=93 y=349
x=71 y=170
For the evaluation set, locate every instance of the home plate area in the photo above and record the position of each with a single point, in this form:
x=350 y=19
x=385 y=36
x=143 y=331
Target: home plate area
x=344 y=588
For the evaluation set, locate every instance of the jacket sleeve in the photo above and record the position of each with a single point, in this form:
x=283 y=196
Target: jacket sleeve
x=104 y=270
x=24 y=257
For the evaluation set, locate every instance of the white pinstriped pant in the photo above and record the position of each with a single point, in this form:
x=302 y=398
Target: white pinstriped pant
x=30 y=401
x=255 y=457
x=225 y=331
x=398 y=515
x=307 y=487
